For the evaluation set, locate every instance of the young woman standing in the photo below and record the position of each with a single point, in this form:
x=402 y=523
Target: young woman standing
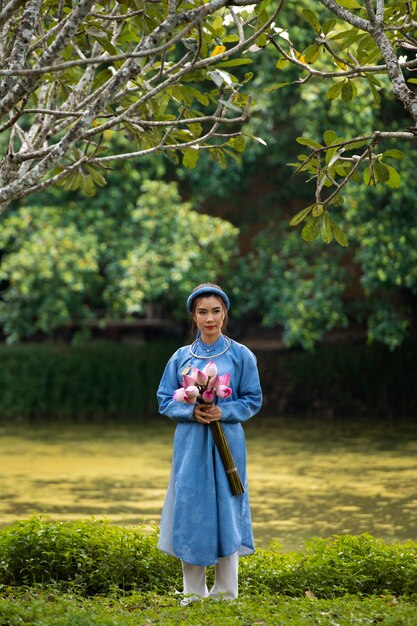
x=202 y=523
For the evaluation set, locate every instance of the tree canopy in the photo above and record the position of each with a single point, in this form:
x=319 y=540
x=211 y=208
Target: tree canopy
x=168 y=75
x=158 y=70
x=336 y=95
x=355 y=47
x=98 y=262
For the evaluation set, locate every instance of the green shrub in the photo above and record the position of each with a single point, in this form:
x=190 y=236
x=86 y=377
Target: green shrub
x=361 y=565
x=90 y=556
x=94 y=381
x=95 y=557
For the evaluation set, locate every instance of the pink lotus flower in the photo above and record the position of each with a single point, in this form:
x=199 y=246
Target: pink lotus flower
x=223 y=391
x=224 y=380
x=210 y=369
x=187 y=381
x=208 y=396
x=199 y=377
x=180 y=395
x=214 y=382
x=192 y=391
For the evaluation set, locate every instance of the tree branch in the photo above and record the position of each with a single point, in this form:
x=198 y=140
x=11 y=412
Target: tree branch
x=9 y=9
x=346 y=15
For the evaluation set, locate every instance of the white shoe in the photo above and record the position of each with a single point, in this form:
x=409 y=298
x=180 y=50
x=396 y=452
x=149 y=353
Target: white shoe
x=188 y=600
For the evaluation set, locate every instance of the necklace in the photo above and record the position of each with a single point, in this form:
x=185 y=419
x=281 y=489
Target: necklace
x=212 y=356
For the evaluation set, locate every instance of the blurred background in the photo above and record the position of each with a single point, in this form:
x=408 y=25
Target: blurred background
x=92 y=290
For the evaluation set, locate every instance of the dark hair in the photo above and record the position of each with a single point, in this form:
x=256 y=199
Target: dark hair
x=207 y=295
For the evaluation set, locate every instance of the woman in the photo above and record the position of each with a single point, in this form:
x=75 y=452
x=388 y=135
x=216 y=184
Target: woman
x=202 y=523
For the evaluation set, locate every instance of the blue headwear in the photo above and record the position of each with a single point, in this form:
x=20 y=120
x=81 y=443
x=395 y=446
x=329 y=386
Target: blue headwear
x=207 y=291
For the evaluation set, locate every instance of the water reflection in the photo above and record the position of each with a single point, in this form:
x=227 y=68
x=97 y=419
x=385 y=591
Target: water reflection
x=308 y=477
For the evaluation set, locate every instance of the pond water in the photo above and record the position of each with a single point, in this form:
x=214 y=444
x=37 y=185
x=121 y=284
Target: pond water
x=307 y=477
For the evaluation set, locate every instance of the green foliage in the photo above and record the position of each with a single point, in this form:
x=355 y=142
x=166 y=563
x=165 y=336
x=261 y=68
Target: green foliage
x=337 y=57
x=168 y=77
x=94 y=557
x=101 y=380
x=64 y=266
x=88 y=557
x=385 y=236
x=347 y=564
x=51 y=608
x=344 y=380
x=176 y=248
x=49 y=267
x=297 y=287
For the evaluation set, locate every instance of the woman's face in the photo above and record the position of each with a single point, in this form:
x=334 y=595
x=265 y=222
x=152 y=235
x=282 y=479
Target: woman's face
x=209 y=315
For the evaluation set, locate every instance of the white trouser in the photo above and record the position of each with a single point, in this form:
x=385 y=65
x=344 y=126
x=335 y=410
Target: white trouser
x=225 y=583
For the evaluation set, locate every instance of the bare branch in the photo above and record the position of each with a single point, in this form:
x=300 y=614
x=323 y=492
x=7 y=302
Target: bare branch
x=9 y=9
x=116 y=18
x=370 y=11
x=19 y=51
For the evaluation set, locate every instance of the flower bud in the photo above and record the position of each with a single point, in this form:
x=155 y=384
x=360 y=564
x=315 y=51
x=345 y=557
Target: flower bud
x=208 y=396
x=199 y=377
x=224 y=379
x=223 y=391
x=180 y=395
x=192 y=391
x=210 y=369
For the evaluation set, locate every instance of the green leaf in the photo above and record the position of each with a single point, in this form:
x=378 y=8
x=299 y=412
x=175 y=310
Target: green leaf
x=330 y=137
x=394 y=154
x=276 y=86
x=306 y=141
x=262 y=40
x=338 y=234
x=229 y=105
x=394 y=180
x=88 y=186
x=281 y=64
x=261 y=7
x=412 y=80
x=311 y=18
x=335 y=90
x=318 y=209
x=350 y=4
x=312 y=53
x=312 y=228
x=347 y=91
x=238 y=143
x=329 y=25
x=326 y=229
x=105 y=43
x=337 y=200
x=300 y=216
x=367 y=178
x=190 y=158
x=97 y=176
x=381 y=172
x=234 y=63
x=356 y=144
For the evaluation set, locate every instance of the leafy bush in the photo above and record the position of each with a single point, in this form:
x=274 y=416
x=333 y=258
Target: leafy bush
x=84 y=382
x=360 y=565
x=92 y=557
x=93 y=263
x=95 y=557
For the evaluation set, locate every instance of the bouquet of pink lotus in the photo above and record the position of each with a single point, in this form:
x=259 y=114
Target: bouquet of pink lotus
x=205 y=386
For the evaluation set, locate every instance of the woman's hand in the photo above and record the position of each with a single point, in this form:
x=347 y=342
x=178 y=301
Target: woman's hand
x=206 y=413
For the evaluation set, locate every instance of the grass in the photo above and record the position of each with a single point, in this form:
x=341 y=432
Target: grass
x=92 y=573
x=52 y=608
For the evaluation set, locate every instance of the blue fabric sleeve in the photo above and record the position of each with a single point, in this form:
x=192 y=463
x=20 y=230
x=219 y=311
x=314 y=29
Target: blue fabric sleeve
x=247 y=391
x=170 y=381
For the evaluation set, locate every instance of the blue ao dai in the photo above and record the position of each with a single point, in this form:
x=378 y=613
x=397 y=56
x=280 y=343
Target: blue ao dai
x=201 y=519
